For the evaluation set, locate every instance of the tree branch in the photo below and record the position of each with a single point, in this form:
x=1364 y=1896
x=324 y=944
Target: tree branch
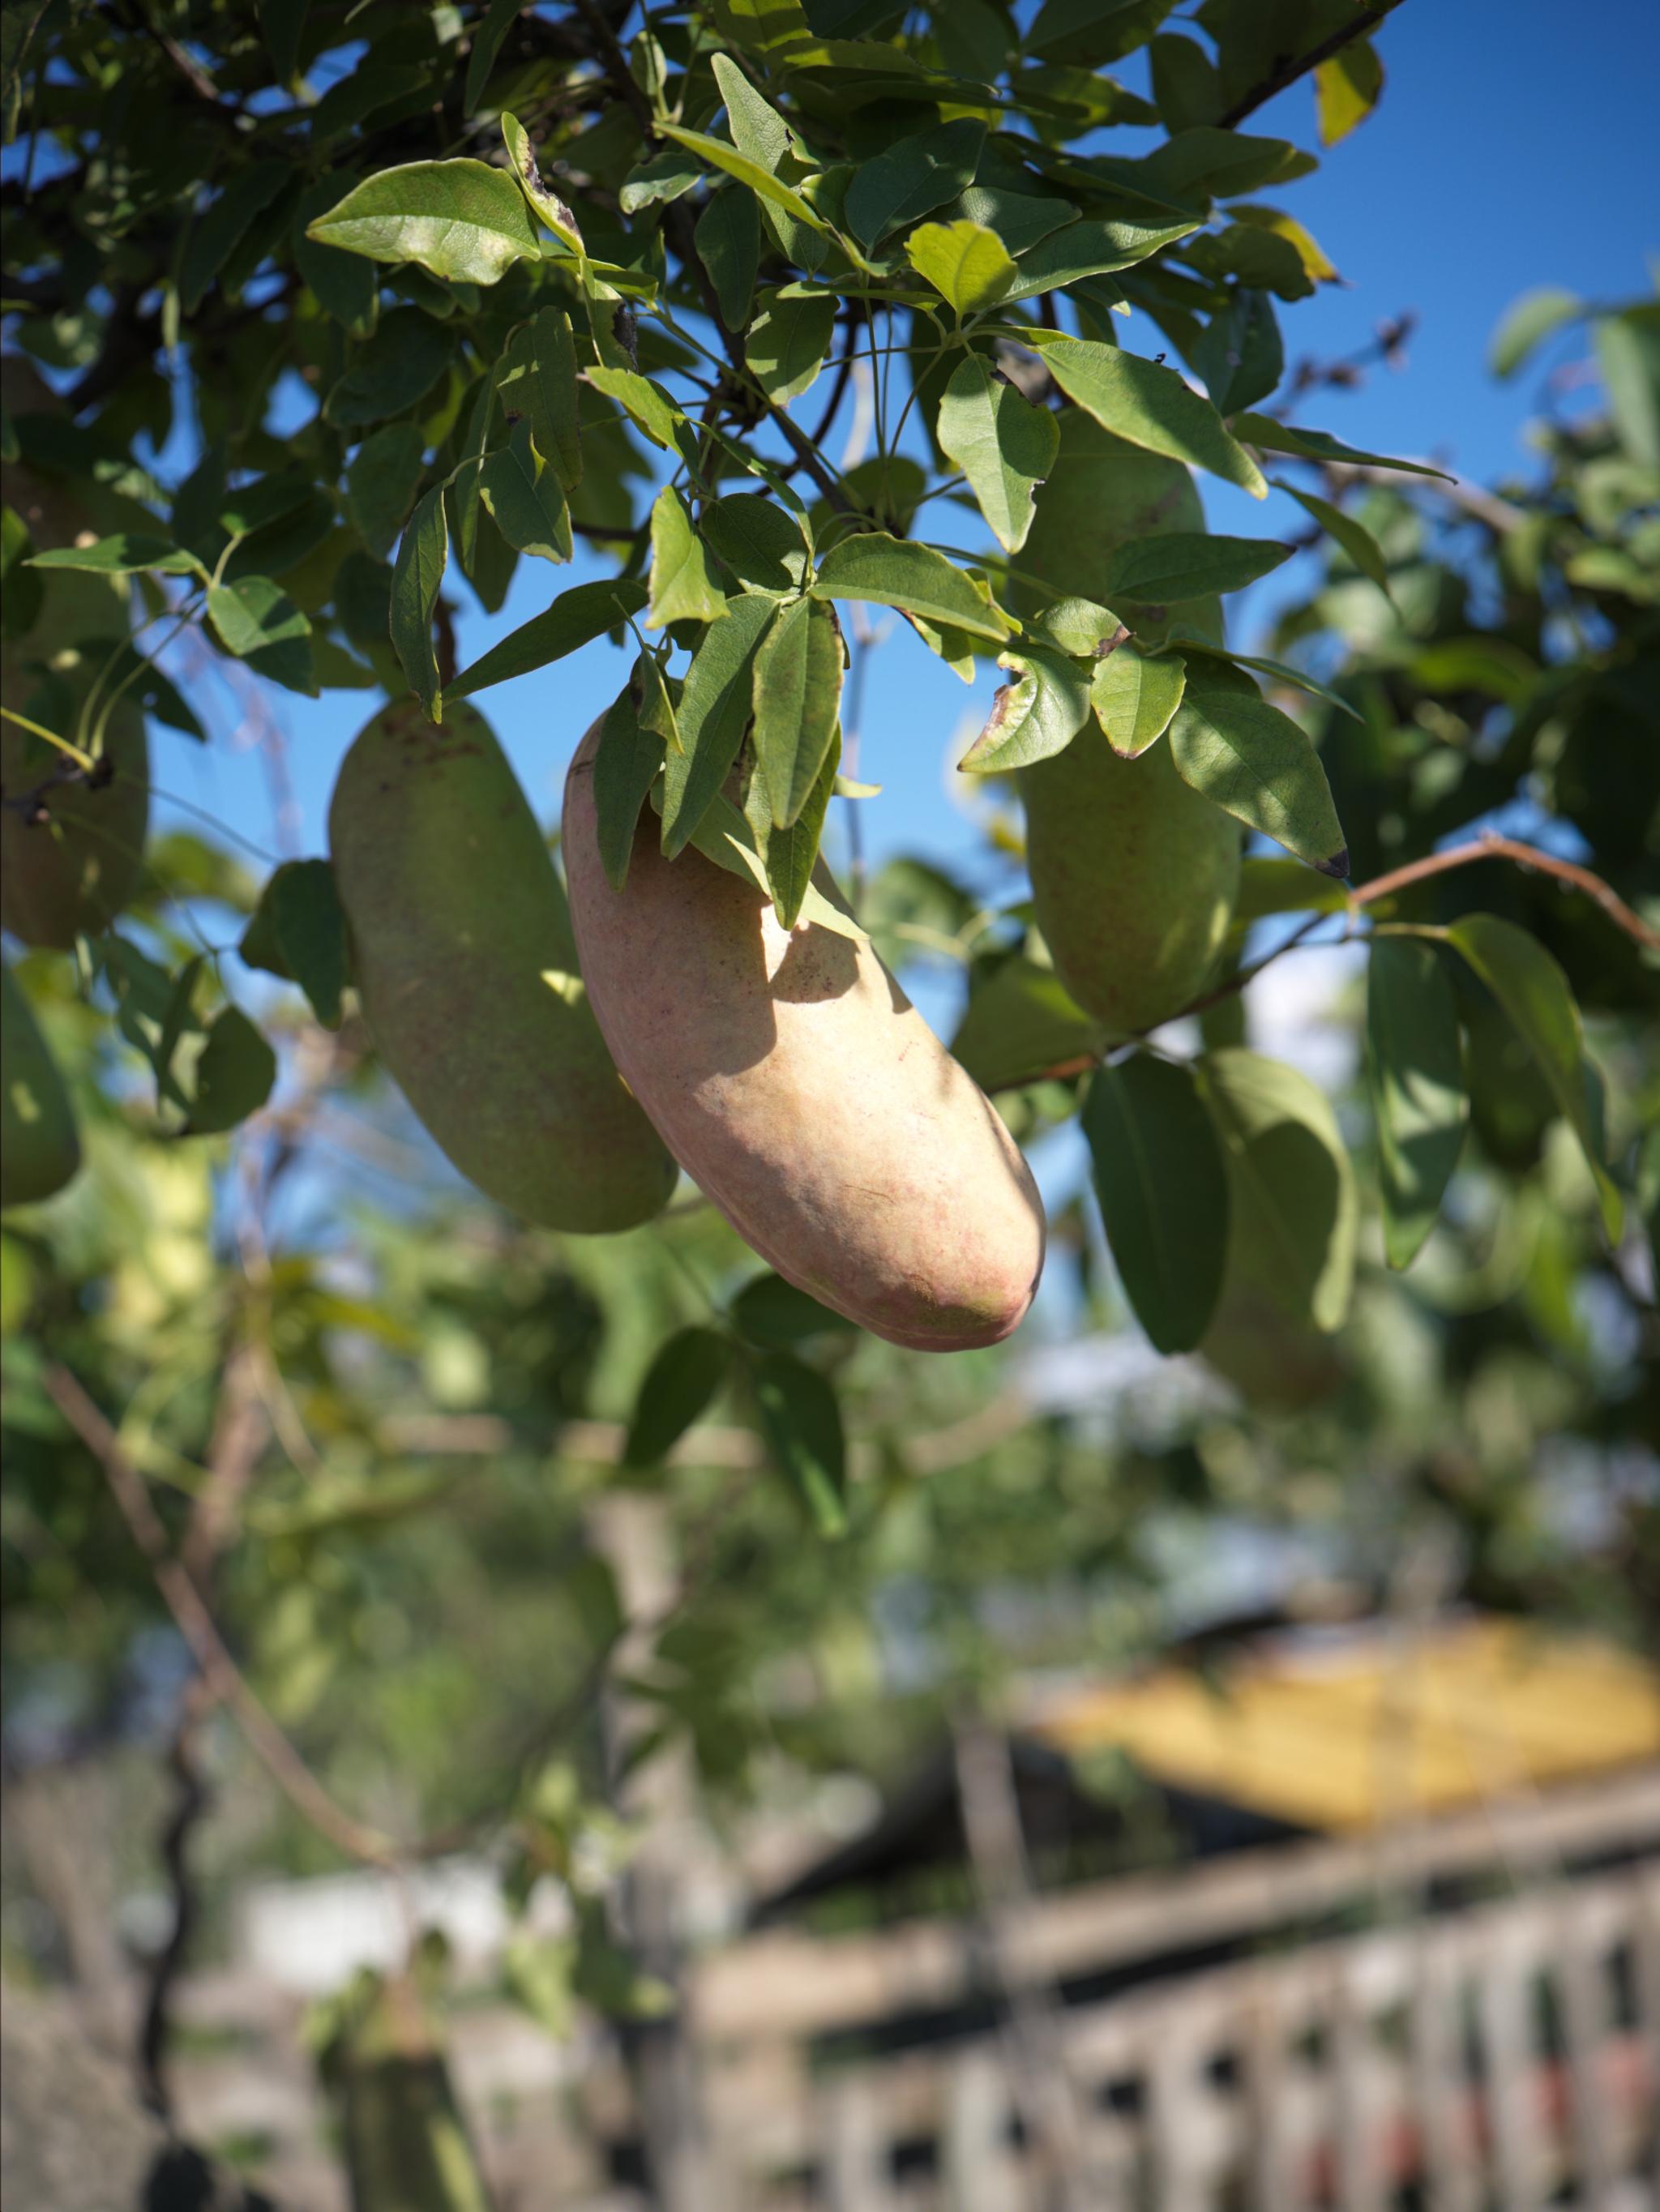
x=1368 y=18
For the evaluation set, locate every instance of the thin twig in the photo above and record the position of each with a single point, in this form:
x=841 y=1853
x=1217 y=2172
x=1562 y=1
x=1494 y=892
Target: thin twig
x=1368 y=18
x=197 y=1625
x=1491 y=846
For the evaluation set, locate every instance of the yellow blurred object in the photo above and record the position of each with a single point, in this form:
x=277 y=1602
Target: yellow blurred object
x=1358 y=1729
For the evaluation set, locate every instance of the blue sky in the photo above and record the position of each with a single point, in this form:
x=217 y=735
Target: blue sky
x=1504 y=154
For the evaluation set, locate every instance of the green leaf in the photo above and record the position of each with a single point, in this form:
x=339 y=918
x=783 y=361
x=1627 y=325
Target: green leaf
x=626 y=764
x=1191 y=640
x=1527 y=323
x=1415 y=1069
x=1093 y=249
x=1271 y=437
x=299 y=932
x=524 y=500
x=644 y=402
x=1241 y=356
x=538 y=195
x=343 y=285
x=1346 y=89
x=659 y=181
x=417 y=575
x=1019 y=219
x=1293 y=1213
x=499 y=19
x=789 y=856
x=912 y=178
x=461 y=219
x=1021 y=1023
x=681 y=587
x=756 y=126
x=1094 y=32
x=382 y=477
x=255 y=619
x=216 y=232
x=20 y=592
x=774 y=1315
x=1079 y=627
x=1186 y=565
x=715 y=705
x=129 y=553
x=727 y=240
x=1536 y=994
x=233 y=1075
x=900 y=573
x=756 y=538
x=1003 y=445
x=1283 y=887
x=1628 y=354
x=760 y=180
x=575 y=619
x=788 y=339
x=1163 y=1185
x=1135 y=697
x=536 y=376
x=1356 y=540
x=398 y=366
x=797 y=695
x=802 y=1424
x=966 y=263
x=656 y=707
x=679 y=1383
x=1150 y=406
x=1244 y=754
x=1035 y=717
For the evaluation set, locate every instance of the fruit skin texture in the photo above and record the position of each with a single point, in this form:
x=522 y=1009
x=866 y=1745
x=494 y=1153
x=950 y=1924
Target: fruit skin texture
x=72 y=874
x=1133 y=874
x=799 y=1087
x=39 y=1148
x=455 y=912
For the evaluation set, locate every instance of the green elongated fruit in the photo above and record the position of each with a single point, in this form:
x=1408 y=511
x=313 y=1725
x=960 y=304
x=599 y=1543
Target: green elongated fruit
x=39 y=1148
x=1133 y=874
x=72 y=862
x=803 y=1092
x=458 y=921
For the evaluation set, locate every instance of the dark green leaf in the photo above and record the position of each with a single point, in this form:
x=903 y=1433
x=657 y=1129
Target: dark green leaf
x=382 y=477
x=1293 y=1213
x=1183 y=564
x=1004 y=446
x=1163 y=1192
x=1135 y=696
x=1021 y=1023
x=659 y=181
x=1241 y=356
x=1092 y=249
x=1628 y=354
x=536 y=376
x=499 y=19
x=900 y=573
x=1533 y=991
x=643 y=402
x=912 y=178
x=256 y=620
x=398 y=366
x=282 y=23
x=1416 y=1068
x=774 y=1316
x=797 y=697
x=728 y=243
x=20 y=591
x=1035 y=717
x=626 y=764
x=298 y=931
x=233 y=1076
x=218 y=229
x=715 y=705
x=760 y=543
x=575 y=619
x=1094 y=32
x=682 y=589
x=1245 y=755
x=1151 y=406
x=1271 y=437
x=127 y=554
x=461 y=219
x=1283 y=887
x=679 y=1383
x=345 y=285
x=802 y=1424
x=788 y=339
x=417 y=575
x=1356 y=540
x=522 y=494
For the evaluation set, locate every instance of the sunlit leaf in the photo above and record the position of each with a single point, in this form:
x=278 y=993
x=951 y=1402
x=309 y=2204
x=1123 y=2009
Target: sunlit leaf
x=1004 y=446
x=1246 y=757
x=1151 y=406
x=462 y=220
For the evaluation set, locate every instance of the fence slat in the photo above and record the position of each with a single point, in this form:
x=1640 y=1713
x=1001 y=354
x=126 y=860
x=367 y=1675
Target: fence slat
x=857 y=2171
x=984 y=2171
x=1355 y=2091
x=1583 y=1979
x=1505 y=1999
x=1441 y=2084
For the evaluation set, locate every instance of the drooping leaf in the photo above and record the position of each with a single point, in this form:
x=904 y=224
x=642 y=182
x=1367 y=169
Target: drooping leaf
x=789 y=856
x=644 y=402
x=1346 y=89
x=522 y=494
x=1163 y=1192
x=1150 y=405
x=255 y=619
x=537 y=376
x=715 y=706
x=678 y=1384
x=727 y=240
x=499 y=19
x=1293 y=1210
x=1191 y=640
x=1088 y=249
x=1245 y=755
x=416 y=576
x=626 y=764
x=759 y=179
x=774 y=1316
x=966 y=263
x=298 y=931
x=1241 y=356
x=539 y=195
x=1628 y=354
x=1271 y=437
x=1003 y=445
x=576 y=617
x=788 y=339
x=1033 y=718
x=758 y=539
x=216 y=232
x=1527 y=323
x=1275 y=886
x=1184 y=564
x=682 y=589
x=1022 y=1023
x=1530 y=987
x=344 y=285
x=900 y=573
x=1415 y=1069
x=1094 y=32
x=1135 y=696
x=797 y=697
x=1356 y=540
x=233 y=1075
x=912 y=178
x=802 y=1424
x=659 y=182
x=461 y=219
x=398 y=366
x=382 y=480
